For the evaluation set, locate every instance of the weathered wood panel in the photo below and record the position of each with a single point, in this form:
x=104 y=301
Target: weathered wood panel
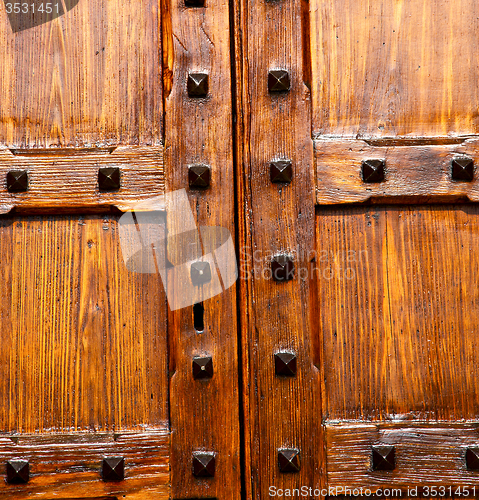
x=84 y=340
x=397 y=311
x=280 y=412
x=69 y=465
x=67 y=180
x=394 y=68
x=89 y=78
x=204 y=413
x=425 y=455
x=413 y=173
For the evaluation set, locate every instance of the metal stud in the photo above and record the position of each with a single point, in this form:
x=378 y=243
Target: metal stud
x=462 y=169
x=109 y=178
x=278 y=80
x=200 y=273
x=373 y=170
x=281 y=171
x=288 y=460
x=204 y=464
x=197 y=85
x=113 y=469
x=17 y=181
x=285 y=364
x=282 y=268
x=199 y=176
x=472 y=458
x=383 y=457
x=18 y=471
x=194 y=3
x=202 y=367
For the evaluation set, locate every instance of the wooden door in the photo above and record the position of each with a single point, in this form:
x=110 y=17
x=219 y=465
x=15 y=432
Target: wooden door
x=98 y=387
x=359 y=357
x=331 y=145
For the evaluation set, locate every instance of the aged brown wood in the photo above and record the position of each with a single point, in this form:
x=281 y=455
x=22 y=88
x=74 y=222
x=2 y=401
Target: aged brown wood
x=204 y=413
x=69 y=465
x=426 y=455
x=87 y=79
x=389 y=69
x=399 y=339
x=280 y=412
x=413 y=173
x=83 y=338
x=68 y=179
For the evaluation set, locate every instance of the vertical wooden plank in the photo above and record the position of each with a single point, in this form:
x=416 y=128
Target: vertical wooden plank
x=280 y=412
x=204 y=413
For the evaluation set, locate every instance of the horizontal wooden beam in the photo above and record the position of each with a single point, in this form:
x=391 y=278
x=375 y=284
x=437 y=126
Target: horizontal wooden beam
x=413 y=172
x=67 y=179
x=425 y=454
x=70 y=465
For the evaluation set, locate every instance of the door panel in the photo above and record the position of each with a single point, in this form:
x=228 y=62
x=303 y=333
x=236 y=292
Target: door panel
x=394 y=68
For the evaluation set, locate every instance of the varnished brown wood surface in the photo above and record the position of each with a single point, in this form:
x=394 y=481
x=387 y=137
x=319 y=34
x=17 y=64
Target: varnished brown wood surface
x=392 y=68
x=69 y=465
x=279 y=412
x=425 y=455
x=83 y=339
x=397 y=311
x=68 y=179
x=204 y=413
x=89 y=78
x=413 y=173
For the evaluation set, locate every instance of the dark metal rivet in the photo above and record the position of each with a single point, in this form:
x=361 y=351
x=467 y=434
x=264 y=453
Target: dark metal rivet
x=281 y=171
x=109 y=178
x=472 y=458
x=288 y=460
x=197 y=85
x=17 y=180
x=18 y=471
x=194 y=3
x=204 y=464
x=373 y=170
x=278 y=80
x=199 y=176
x=113 y=469
x=285 y=364
x=202 y=367
x=282 y=267
x=462 y=169
x=200 y=273
x=383 y=457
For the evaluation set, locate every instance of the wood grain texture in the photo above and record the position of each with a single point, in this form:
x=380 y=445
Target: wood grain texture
x=426 y=454
x=67 y=180
x=89 y=78
x=397 y=312
x=279 y=412
x=204 y=413
x=394 y=68
x=84 y=340
x=413 y=173
x=69 y=465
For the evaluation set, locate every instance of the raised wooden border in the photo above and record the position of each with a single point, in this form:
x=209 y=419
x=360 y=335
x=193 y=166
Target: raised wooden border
x=67 y=179
x=204 y=413
x=416 y=171
x=427 y=454
x=68 y=466
x=273 y=218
